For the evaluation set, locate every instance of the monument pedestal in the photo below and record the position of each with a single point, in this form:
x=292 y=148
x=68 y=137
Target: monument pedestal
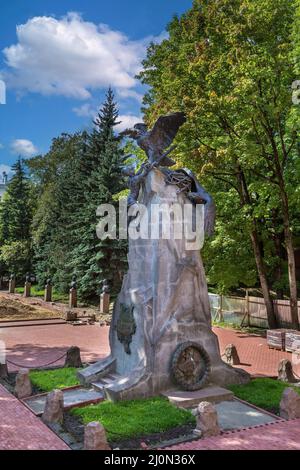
x=161 y=325
x=48 y=293
x=73 y=297
x=11 y=286
x=27 y=289
x=104 y=302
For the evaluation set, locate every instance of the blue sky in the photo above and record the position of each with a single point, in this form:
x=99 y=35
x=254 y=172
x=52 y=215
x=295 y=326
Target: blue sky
x=62 y=58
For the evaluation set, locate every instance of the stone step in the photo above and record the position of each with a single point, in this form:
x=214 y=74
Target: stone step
x=98 y=385
x=185 y=399
x=73 y=396
x=107 y=379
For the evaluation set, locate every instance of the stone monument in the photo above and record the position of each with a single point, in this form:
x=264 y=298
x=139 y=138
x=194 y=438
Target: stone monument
x=161 y=336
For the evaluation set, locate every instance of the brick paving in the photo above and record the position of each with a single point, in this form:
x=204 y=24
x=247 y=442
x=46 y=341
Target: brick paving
x=283 y=435
x=20 y=429
x=35 y=346
x=255 y=356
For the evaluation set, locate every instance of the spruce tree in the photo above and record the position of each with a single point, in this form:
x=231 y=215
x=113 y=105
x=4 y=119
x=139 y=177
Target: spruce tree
x=60 y=176
x=15 y=222
x=93 y=259
x=18 y=204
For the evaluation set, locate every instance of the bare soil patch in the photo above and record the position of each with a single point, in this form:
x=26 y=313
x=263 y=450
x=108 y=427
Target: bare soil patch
x=16 y=309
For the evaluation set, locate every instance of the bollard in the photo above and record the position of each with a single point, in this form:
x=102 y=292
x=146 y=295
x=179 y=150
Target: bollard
x=23 y=387
x=54 y=407
x=95 y=437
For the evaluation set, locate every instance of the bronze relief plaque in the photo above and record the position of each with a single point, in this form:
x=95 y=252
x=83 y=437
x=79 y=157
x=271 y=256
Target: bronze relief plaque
x=126 y=326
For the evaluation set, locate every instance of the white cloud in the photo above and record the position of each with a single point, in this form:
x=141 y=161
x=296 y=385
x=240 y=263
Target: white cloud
x=127 y=121
x=125 y=93
x=85 y=110
x=23 y=147
x=72 y=57
x=1 y=146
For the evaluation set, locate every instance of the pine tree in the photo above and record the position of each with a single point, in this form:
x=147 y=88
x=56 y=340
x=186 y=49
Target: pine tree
x=92 y=259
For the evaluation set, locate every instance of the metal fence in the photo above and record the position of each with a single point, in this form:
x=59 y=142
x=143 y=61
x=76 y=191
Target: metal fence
x=249 y=311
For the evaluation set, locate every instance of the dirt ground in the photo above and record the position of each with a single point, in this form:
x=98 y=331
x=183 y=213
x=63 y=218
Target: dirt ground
x=11 y=309
x=16 y=307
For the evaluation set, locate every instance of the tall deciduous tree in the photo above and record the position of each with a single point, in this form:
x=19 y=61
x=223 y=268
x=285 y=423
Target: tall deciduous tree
x=227 y=64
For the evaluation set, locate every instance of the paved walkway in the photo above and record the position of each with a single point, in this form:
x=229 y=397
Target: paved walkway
x=255 y=356
x=283 y=435
x=20 y=429
x=36 y=346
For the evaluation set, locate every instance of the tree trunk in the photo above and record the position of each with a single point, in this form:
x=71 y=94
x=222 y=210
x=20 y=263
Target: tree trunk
x=278 y=171
x=280 y=254
x=263 y=278
x=246 y=200
x=291 y=261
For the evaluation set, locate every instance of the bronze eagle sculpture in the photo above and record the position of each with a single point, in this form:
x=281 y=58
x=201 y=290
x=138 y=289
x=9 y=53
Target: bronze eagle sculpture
x=155 y=141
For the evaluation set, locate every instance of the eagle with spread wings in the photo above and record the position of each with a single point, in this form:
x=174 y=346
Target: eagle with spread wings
x=155 y=141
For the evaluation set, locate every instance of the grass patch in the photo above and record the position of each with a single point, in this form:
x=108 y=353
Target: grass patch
x=265 y=393
x=244 y=329
x=47 y=380
x=35 y=292
x=134 y=418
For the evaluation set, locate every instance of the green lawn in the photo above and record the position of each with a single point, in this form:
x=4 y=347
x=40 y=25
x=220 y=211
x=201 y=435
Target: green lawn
x=47 y=380
x=265 y=393
x=243 y=329
x=35 y=292
x=129 y=419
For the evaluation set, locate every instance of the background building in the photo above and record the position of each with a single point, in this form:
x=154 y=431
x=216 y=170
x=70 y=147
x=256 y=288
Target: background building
x=3 y=184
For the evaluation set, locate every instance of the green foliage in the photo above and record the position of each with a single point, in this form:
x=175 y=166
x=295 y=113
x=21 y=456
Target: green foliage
x=79 y=173
x=16 y=211
x=265 y=393
x=129 y=419
x=16 y=255
x=36 y=292
x=48 y=380
x=227 y=65
x=93 y=259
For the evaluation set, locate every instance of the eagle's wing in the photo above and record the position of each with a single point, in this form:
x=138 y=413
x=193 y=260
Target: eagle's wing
x=165 y=130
